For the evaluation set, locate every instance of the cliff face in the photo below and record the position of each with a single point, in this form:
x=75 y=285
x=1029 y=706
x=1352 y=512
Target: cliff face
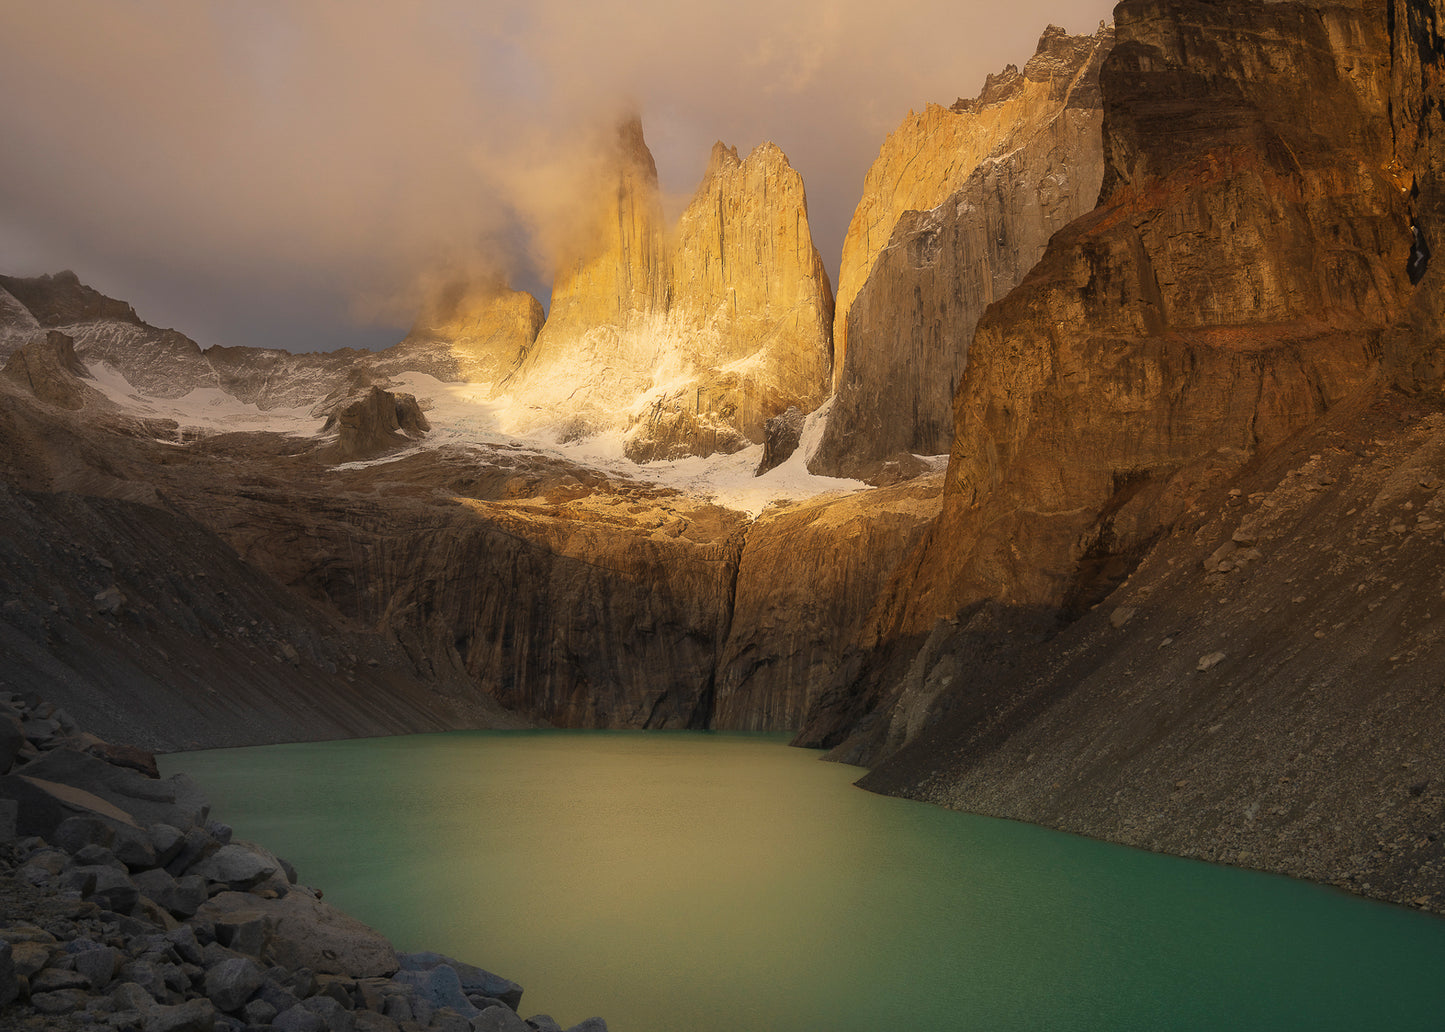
x=689 y=340
x=1178 y=594
x=807 y=583
x=908 y=325
x=932 y=155
x=1237 y=279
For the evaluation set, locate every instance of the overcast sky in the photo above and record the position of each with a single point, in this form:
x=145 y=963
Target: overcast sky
x=291 y=174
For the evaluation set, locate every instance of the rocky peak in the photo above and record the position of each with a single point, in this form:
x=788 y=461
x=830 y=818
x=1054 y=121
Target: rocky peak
x=61 y=299
x=374 y=424
x=933 y=153
x=50 y=370
x=1022 y=161
x=691 y=339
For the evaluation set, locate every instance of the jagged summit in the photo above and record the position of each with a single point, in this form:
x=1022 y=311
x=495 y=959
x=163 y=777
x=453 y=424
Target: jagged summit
x=688 y=338
x=956 y=210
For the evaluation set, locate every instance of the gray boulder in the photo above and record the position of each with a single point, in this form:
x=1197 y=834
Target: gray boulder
x=239 y=866
x=590 y=1025
x=306 y=932
x=473 y=979
x=197 y=1015
x=232 y=982
x=440 y=986
x=175 y=800
x=98 y=965
x=298 y=1019
x=335 y=1017
x=544 y=1023
x=499 y=1019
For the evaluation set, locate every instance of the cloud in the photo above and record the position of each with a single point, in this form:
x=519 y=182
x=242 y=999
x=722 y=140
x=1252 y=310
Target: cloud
x=265 y=168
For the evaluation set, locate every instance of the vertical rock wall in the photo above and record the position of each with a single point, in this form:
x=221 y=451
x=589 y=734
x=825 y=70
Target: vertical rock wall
x=998 y=175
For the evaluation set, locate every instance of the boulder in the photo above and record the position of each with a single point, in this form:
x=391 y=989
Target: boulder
x=232 y=982
x=440 y=987
x=307 y=933
x=298 y=1019
x=239 y=866
x=197 y=1015
x=97 y=965
x=180 y=896
x=176 y=800
x=499 y=1019
x=472 y=979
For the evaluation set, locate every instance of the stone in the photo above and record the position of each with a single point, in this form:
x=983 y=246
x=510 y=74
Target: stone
x=544 y=1023
x=98 y=965
x=175 y=800
x=448 y=1020
x=9 y=978
x=167 y=841
x=112 y=889
x=196 y=845
x=130 y=996
x=470 y=978
x=52 y=979
x=197 y=1015
x=371 y=1021
x=61 y=1001
x=1119 y=617
x=148 y=976
x=589 y=1025
x=334 y=1016
x=238 y=866
x=232 y=982
x=299 y=1019
x=9 y=816
x=28 y=957
x=258 y=1012
x=308 y=933
x=186 y=945
x=499 y=1019
x=1209 y=661
x=439 y=986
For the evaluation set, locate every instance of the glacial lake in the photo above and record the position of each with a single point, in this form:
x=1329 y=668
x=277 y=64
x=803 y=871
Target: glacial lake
x=673 y=882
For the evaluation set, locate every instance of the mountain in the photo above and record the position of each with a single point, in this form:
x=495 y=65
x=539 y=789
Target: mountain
x=1187 y=558
x=688 y=338
x=958 y=207
x=1178 y=586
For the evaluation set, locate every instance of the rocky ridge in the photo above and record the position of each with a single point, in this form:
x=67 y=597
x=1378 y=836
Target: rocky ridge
x=933 y=154
x=126 y=907
x=1009 y=169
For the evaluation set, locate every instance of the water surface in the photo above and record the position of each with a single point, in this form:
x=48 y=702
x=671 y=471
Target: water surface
x=675 y=881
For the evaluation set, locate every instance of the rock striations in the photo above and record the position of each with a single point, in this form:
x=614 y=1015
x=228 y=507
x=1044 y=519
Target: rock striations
x=690 y=339
x=957 y=208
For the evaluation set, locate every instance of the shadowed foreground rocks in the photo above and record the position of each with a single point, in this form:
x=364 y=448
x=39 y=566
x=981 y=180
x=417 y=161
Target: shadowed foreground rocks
x=123 y=906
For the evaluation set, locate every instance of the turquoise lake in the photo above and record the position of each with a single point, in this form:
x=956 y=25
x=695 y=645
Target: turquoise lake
x=676 y=881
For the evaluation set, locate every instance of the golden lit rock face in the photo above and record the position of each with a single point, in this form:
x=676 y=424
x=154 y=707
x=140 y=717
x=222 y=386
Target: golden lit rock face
x=910 y=324
x=487 y=327
x=1237 y=280
x=689 y=340
x=933 y=153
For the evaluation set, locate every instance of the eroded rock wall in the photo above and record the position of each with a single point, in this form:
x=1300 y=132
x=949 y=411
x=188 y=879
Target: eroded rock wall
x=933 y=153
x=908 y=326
